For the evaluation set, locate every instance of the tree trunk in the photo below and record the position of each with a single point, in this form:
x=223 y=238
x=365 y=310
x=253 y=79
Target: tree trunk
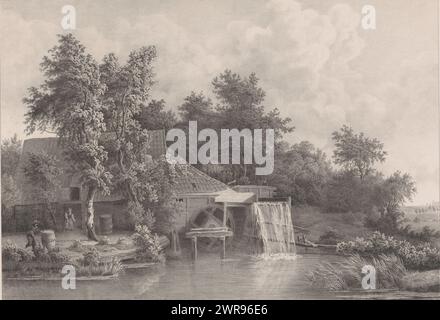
x=90 y=224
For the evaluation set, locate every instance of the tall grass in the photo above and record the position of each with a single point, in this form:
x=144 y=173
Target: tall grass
x=107 y=268
x=348 y=275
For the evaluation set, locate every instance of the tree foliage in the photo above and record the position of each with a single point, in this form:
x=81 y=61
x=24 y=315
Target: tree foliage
x=10 y=151
x=239 y=105
x=69 y=103
x=10 y=157
x=154 y=116
x=43 y=172
x=198 y=107
x=302 y=172
x=356 y=152
x=128 y=120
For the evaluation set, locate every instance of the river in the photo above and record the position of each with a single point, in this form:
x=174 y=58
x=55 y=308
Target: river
x=240 y=277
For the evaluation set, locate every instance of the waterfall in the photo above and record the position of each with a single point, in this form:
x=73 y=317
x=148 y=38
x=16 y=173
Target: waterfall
x=274 y=221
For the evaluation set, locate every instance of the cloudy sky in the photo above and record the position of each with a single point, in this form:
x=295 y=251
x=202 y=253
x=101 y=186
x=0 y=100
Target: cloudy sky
x=316 y=63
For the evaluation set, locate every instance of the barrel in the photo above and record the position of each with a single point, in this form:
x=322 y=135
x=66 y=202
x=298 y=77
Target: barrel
x=48 y=239
x=106 y=224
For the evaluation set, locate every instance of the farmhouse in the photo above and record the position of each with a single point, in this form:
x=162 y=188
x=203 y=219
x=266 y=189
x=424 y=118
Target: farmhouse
x=195 y=191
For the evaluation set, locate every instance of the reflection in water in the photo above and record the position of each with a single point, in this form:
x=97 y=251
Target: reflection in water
x=241 y=277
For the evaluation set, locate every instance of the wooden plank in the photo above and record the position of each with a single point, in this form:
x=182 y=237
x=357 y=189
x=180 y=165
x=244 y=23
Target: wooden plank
x=209 y=229
x=139 y=265
x=209 y=234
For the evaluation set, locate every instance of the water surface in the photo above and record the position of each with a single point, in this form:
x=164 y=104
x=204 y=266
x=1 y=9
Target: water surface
x=240 y=277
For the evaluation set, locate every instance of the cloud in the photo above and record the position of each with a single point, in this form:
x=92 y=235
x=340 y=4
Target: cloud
x=23 y=43
x=305 y=59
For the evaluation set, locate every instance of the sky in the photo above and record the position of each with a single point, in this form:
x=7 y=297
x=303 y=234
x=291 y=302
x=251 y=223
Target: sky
x=313 y=58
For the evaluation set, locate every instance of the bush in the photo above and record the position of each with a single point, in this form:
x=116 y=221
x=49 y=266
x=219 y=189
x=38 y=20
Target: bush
x=347 y=274
x=138 y=215
x=421 y=257
x=14 y=256
x=91 y=257
x=149 y=245
x=23 y=261
x=388 y=222
x=330 y=237
x=57 y=257
x=345 y=192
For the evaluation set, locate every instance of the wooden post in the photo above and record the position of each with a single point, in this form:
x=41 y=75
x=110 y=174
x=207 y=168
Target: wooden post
x=194 y=248
x=223 y=250
x=225 y=213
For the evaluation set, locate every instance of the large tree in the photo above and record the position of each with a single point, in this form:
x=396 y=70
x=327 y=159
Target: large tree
x=239 y=105
x=394 y=192
x=198 y=107
x=69 y=103
x=154 y=116
x=356 y=152
x=301 y=171
x=127 y=117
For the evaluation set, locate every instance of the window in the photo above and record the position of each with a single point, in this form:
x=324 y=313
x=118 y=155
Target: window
x=74 y=194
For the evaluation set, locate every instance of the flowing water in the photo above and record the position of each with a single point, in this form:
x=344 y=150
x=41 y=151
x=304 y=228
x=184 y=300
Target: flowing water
x=274 y=222
x=239 y=277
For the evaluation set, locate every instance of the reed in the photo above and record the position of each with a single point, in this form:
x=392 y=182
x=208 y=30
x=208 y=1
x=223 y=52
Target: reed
x=347 y=274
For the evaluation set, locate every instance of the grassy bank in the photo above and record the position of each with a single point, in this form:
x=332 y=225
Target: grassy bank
x=347 y=225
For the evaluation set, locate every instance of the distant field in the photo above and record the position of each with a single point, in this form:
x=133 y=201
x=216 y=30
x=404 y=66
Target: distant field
x=419 y=217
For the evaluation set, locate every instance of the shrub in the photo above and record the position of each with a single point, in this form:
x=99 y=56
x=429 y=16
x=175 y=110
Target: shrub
x=57 y=257
x=138 y=215
x=347 y=274
x=23 y=261
x=10 y=252
x=421 y=257
x=149 y=245
x=345 y=192
x=91 y=257
x=331 y=236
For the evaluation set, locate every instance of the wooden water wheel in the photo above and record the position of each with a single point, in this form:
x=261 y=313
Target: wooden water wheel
x=212 y=217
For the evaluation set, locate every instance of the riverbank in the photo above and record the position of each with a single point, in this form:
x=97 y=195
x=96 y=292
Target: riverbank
x=102 y=260
x=427 y=281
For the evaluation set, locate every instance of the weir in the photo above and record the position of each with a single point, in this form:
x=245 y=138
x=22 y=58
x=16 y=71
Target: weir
x=273 y=227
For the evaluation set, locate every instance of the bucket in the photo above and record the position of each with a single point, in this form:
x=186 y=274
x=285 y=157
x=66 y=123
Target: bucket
x=48 y=239
x=106 y=224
